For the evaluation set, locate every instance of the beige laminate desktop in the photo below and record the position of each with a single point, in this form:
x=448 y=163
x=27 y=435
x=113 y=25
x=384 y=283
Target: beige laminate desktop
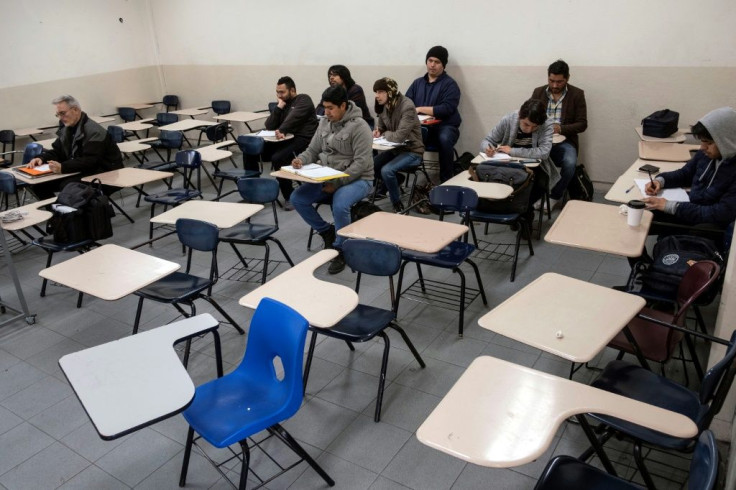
x=624 y=190
x=485 y=190
x=666 y=152
x=221 y=214
x=678 y=137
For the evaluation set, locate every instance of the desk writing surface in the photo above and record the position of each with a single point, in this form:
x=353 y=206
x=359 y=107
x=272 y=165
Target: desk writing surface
x=478 y=160
x=28 y=131
x=242 y=116
x=618 y=191
x=500 y=414
x=47 y=143
x=134 y=146
x=186 y=125
x=35 y=215
x=598 y=227
x=135 y=381
x=138 y=105
x=38 y=180
x=109 y=272
x=322 y=303
x=102 y=119
x=551 y=304
x=194 y=111
x=215 y=153
x=139 y=125
x=485 y=190
x=678 y=137
x=283 y=174
x=128 y=177
x=667 y=152
x=409 y=232
x=221 y=214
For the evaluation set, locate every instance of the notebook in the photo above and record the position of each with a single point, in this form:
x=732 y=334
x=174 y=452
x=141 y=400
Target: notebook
x=315 y=171
x=33 y=173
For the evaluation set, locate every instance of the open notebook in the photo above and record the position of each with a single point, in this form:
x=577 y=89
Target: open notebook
x=315 y=171
x=39 y=171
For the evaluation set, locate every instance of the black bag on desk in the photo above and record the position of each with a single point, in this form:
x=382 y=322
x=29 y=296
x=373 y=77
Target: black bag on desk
x=660 y=124
x=580 y=187
x=517 y=176
x=91 y=218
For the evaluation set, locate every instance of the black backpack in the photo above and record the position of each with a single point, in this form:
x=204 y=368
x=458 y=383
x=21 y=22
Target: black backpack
x=516 y=175
x=660 y=124
x=580 y=187
x=83 y=212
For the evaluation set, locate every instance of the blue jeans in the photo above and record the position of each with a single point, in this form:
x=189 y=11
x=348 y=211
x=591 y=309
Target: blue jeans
x=565 y=157
x=444 y=139
x=388 y=163
x=344 y=197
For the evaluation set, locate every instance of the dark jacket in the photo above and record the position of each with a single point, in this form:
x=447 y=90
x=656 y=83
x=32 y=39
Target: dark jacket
x=85 y=148
x=714 y=203
x=443 y=95
x=297 y=117
x=574 y=112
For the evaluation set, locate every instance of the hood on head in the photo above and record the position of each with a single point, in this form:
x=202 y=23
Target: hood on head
x=721 y=124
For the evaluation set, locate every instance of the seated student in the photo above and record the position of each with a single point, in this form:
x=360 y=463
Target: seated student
x=81 y=146
x=398 y=123
x=710 y=174
x=526 y=133
x=340 y=75
x=343 y=141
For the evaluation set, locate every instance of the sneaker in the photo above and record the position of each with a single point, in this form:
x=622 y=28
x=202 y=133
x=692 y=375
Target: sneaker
x=329 y=236
x=538 y=205
x=288 y=206
x=398 y=207
x=337 y=264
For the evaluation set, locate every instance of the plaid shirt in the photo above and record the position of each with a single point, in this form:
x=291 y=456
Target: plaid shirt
x=554 y=109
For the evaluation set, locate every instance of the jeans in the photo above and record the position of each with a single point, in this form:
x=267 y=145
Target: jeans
x=343 y=198
x=444 y=139
x=388 y=163
x=565 y=157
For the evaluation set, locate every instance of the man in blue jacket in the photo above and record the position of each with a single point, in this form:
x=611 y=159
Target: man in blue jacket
x=436 y=94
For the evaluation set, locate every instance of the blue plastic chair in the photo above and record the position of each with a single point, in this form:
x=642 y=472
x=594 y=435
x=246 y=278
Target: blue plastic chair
x=170 y=101
x=7 y=138
x=256 y=396
x=187 y=162
x=462 y=200
x=633 y=381
x=169 y=141
x=367 y=322
x=117 y=134
x=183 y=288
x=249 y=145
x=256 y=191
x=565 y=472
x=127 y=114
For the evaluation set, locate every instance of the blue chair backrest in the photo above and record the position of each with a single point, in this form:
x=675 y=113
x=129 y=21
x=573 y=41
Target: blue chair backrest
x=704 y=465
x=170 y=100
x=197 y=234
x=7 y=183
x=453 y=198
x=31 y=151
x=163 y=118
x=117 y=134
x=188 y=159
x=717 y=375
x=220 y=106
x=250 y=145
x=259 y=190
x=372 y=257
x=272 y=106
x=171 y=139
x=7 y=137
x=127 y=114
x=276 y=331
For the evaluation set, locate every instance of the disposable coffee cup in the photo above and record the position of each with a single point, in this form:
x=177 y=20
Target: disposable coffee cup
x=635 y=212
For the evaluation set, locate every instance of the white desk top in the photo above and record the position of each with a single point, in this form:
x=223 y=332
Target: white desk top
x=215 y=152
x=667 y=152
x=624 y=190
x=221 y=214
x=194 y=111
x=28 y=131
x=242 y=116
x=501 y=414
x=133 y=382
x=109 y=272
x=128 y=177
x=38 y=180
x=478 y=159
x=409 y=232
x=47 y=143
x=273 y=139
x=135 y=145
x=678 y=137
x=322 y=303
x=34 y=216
x=139 y=125
x=283 y=174
x=551 y=304
x=186 y=125
x=598 y=227
x=102 y=119
x=486 y=190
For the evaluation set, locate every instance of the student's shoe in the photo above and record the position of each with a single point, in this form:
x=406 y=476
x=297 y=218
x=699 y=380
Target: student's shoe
x=398 y=207
x=337 y=264
x=329 y=236
x=288 y=206
x=538 y=205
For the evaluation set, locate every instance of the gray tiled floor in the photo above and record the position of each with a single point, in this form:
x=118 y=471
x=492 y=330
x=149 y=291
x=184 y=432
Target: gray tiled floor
x=47 y=441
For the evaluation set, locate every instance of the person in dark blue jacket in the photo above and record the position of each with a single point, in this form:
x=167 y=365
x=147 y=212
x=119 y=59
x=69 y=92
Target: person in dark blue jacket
x=710 y=175
x=436 y=94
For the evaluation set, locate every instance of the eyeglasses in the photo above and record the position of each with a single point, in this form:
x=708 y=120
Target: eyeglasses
x=63 y=113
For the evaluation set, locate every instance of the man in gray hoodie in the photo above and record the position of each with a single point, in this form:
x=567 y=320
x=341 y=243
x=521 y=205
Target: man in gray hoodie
x=343 y=141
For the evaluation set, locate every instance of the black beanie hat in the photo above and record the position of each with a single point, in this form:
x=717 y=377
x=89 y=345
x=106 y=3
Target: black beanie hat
x=438 y=52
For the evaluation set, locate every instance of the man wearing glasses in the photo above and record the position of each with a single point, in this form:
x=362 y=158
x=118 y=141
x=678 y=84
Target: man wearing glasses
x=82 y=146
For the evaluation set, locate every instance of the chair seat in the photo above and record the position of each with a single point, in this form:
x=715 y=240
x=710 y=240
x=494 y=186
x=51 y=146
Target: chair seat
x=449 y=257
x=174 y=287
x=229 y=409
x=361 y=324
x=493 y=217
x=47 y=243
x=635 y=382
x=237 y=173
x=566 y=472
x=248 y=232
x=650 y=337
x=173 y=196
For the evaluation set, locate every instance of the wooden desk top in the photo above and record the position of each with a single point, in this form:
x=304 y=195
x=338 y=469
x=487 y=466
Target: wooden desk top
x=501 y=414
x=38 y=180
x=598 y=227
x=221 y=214
x=194 y=111
x=109 y=272
x=409 y=232
x=618 y=191
x=486 y=190
x=242 y=116
x=552 y=305
x=215 y=152
x=133 y=382
x=139 y=125
x=667 y=152
x=678 y=137
x=35 y=215
x=186 y=125
x=128 y=177
x=135 y=145
x=322 y=303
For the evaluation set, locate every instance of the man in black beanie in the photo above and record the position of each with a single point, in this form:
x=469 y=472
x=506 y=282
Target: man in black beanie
x=436 y=94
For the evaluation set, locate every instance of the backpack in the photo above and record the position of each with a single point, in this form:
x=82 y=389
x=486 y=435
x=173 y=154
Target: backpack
x=462 y=163
x=580 y=187
x=81 y=212
x=420 y=200
x=361 y=209
x=516 y=175
x=660 y=124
